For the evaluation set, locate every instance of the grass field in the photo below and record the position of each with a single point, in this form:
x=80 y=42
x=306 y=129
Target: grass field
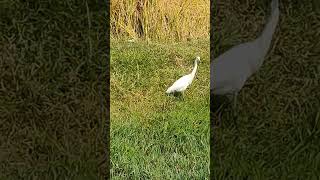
x=52 y=71
x=278 y=125
x=155 y=136
x=53 y=61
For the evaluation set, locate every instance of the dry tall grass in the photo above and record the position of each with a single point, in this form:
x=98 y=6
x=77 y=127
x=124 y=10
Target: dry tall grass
x=176 y=20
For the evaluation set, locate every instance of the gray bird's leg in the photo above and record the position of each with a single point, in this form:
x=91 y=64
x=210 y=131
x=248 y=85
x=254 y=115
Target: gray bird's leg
x=233 y=100
x=235 y=108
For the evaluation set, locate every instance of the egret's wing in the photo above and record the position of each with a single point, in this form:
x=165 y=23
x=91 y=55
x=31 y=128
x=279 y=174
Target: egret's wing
x=228 y=72
x=181 y=83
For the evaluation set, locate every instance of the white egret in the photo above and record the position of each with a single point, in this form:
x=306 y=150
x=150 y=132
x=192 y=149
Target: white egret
x=181 y=84
x=229 y=72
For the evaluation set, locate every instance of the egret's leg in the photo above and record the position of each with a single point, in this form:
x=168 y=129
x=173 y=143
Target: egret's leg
x=235 y=101
x=219 y=117
x=235 y=108
x=179 y=96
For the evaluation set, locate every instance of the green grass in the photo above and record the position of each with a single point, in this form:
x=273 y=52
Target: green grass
x=155 y=136
x=278 y=125
x=52 y=69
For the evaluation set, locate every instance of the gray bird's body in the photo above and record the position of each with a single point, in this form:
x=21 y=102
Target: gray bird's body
x=229 y=72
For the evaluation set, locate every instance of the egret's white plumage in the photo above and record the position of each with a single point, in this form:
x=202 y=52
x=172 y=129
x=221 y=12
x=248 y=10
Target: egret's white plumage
x=229 y=72
x=181 y=84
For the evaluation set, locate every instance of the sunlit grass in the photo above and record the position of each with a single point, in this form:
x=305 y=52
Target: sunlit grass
x=154 y=135
x=160 y=19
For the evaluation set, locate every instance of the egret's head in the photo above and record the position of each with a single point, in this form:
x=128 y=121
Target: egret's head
x=198 y=59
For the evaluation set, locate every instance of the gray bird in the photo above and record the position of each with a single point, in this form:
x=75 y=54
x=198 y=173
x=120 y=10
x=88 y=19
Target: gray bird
x=229 y=72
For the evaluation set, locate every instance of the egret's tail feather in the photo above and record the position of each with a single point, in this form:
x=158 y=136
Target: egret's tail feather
x=169 y=90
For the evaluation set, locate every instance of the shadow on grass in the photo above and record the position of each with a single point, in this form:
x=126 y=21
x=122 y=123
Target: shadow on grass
x=178 y=96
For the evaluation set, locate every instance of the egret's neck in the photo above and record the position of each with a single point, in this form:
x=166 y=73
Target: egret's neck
x=193 y=73
x=266 y=37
